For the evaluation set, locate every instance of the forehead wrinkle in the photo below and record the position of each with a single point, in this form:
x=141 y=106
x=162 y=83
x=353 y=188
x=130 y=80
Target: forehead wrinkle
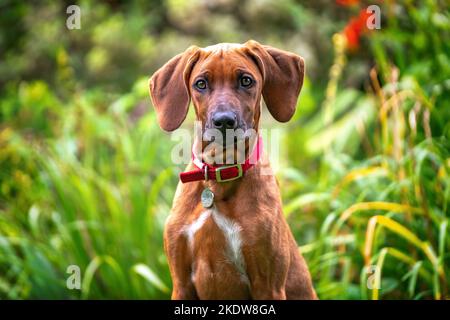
x=224 y=62
x=217 y=67
x=252 y=66
x=224 y=51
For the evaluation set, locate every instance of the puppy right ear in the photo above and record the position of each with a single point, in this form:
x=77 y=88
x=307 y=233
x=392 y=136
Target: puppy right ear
x=169 y=89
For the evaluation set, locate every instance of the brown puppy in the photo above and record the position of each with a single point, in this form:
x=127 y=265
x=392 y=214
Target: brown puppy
x=241 y=247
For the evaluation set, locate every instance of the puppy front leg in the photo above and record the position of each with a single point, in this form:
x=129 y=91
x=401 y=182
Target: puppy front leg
x=259 y=293
x=179 y=260
x=185 y=291
x=267 y=276
x=266 y=287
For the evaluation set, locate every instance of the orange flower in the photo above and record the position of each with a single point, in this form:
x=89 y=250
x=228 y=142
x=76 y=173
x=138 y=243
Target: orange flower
x=355 y=28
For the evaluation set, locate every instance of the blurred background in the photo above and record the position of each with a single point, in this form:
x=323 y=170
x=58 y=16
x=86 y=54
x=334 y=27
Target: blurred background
x=85 y=172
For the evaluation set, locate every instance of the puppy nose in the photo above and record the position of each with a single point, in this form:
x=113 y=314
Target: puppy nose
x=223 y=120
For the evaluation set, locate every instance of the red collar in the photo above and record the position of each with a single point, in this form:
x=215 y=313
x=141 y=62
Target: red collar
x=222 y=173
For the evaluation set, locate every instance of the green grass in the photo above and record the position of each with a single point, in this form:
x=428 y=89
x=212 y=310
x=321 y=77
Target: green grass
x=98 y=201
x=86 y=178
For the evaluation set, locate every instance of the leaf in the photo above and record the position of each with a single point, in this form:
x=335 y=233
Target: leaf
x=357 y=174
x=147 y=273
x=442 y=235
x=93 y=266
x=33 y=219
x=375 y=205
x=303 y=200
x=401 y=231
x=413 y=278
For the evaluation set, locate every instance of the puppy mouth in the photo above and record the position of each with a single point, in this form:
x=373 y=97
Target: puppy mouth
x=225 y=151
x=228 y=146
x=227 y=138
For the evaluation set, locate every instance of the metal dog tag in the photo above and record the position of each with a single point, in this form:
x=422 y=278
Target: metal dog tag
x=207 y=198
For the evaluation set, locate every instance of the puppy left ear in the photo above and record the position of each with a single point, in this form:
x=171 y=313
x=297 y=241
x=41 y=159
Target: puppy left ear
x=283 y=74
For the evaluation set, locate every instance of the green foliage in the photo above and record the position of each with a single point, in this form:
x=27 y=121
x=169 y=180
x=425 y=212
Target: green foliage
x=86 y=177
x=97 y=201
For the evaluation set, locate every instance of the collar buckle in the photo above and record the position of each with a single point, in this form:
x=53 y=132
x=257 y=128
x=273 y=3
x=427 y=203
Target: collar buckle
x=219 y=177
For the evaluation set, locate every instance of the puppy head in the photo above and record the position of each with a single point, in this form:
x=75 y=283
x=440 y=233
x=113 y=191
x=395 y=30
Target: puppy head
x=225 y=83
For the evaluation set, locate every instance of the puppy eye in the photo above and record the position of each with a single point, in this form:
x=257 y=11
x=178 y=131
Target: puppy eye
x=246 y=81
x=200 y=84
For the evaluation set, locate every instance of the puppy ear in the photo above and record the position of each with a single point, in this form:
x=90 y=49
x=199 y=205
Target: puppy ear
x=169 y=89
x=283 y=74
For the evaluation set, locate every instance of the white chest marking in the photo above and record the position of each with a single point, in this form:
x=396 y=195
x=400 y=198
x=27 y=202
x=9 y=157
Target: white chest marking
x=232 y=233
x=231 y=230
x=191 y=229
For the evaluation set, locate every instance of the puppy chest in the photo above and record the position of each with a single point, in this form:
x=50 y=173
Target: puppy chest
x=216 y=245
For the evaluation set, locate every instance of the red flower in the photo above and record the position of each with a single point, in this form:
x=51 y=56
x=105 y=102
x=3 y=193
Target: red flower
x=346 y=2
x=355 y=28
